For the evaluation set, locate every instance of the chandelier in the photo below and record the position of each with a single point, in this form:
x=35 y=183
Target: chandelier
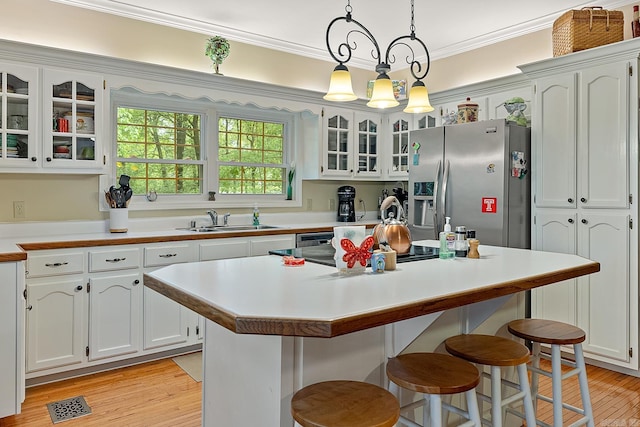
x=340 y=88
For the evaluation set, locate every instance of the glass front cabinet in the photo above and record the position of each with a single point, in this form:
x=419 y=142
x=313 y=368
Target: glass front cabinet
x=19 y=120
x=72 y=113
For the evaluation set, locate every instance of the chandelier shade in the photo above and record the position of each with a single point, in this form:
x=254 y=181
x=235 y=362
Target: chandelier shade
x=382 y=95
x=418 y=99
x=340 y=88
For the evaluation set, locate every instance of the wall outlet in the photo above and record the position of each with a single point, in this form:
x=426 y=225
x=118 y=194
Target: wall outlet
x=332 y=204
x=309 y=204
x=18 y=209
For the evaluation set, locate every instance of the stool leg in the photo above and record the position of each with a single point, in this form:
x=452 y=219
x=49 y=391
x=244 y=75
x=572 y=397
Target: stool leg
x=556 y=384
x=523 y=379
x=584 y=386
x=496 y=397
x=472 y=407
x=535 y=362
x=436 y=411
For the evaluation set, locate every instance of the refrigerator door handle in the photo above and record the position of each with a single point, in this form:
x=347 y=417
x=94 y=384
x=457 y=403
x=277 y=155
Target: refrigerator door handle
x=436 y=204
x=445 y=179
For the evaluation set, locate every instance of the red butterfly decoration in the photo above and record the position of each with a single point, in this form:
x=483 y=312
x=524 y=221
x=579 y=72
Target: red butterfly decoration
x=354 y=253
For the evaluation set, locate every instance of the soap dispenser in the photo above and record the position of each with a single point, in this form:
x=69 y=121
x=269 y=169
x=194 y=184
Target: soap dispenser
x=447 y=241
x=256 y=215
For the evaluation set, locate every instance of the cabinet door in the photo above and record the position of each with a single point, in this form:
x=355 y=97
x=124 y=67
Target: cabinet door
x=603 y=140
x=114 y=315
x=165 y=321
x=603 y=297
x=262 y=245
x=554 y=142
x=555 y=232
x=73 y=129
x=337 y=150
x=18 y=115
x=367 y=144
x=400 y=125
x=56 y=315
x=225 y=248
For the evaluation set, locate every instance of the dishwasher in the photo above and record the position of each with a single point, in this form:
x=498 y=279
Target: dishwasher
x=313 y=239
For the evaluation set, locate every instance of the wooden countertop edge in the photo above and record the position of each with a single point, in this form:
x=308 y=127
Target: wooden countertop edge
x=13 y=256
x=122 y=239
x=328 y=329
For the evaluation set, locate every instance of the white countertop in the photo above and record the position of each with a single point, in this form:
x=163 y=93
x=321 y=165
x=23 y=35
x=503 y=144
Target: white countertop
x=237 y=292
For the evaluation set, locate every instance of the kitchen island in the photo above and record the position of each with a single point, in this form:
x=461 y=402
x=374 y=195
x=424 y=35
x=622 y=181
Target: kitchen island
x=273 y=329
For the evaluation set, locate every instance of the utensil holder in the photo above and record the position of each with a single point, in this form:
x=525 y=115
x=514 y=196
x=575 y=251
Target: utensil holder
x=118 y=220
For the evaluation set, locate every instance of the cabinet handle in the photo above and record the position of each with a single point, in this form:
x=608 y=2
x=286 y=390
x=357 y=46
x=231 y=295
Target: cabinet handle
x=56 y=264
x=583 y=200
x=116 y=259
x=570 y=200
x=167 y=255
x=48 y=159
x=136 y=282
x=570 y=220
x=29 y=307
x=79 y=288
x=34 y=159
x=584 y=221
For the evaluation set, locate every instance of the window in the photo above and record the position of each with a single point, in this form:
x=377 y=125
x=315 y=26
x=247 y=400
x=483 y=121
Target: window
x=250 y=156
x=191 y=151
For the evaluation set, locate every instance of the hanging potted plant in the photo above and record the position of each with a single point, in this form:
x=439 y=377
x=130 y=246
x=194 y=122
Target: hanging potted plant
x=217 y=50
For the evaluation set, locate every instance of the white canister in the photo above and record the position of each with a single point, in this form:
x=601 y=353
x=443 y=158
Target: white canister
x=118 y=220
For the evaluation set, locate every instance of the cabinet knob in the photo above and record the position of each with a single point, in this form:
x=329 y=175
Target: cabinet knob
x=570 y=220
x=79 y=288
x=34 y=159
x=136 y=282
x=570 y=200
x=584 y=221
x=583 y=200
x=29 y=307
x=48 y=159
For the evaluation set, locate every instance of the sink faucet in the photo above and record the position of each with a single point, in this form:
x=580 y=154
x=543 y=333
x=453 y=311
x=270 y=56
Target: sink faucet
x=225 y=219
x=214 y=217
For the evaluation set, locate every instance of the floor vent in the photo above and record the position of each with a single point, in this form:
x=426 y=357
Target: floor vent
x=68 y=409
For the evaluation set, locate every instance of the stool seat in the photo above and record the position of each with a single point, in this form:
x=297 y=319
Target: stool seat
x=432 y=373
x=487 y=349
x=546 y=331
x=344 y=404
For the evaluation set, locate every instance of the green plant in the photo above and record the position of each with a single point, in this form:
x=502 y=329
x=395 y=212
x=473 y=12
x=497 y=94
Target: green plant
x=217 y=49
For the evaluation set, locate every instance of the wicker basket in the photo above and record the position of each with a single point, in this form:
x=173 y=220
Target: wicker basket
x=586 y=28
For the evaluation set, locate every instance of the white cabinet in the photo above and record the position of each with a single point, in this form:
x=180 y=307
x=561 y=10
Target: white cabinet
x=72 y=105
x=56 y=323
x=584 y=187
x=114 y=315
x=19 y=118
x=262 y=245
x=236 y=247
x=350 y=144
x=400 y=125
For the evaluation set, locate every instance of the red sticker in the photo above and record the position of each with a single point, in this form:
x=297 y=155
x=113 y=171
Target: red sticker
x=489 y=205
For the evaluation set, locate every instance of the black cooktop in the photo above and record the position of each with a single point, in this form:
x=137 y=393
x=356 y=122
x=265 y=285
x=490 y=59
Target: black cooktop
x=323 y=254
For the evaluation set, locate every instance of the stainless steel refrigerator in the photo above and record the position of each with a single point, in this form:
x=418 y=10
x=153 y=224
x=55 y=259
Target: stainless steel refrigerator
x=477 y=174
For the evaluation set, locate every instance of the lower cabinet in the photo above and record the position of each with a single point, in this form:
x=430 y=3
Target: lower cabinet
x=166 y=323
x=602 y=303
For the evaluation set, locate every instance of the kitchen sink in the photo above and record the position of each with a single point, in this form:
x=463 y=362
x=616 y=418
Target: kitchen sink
x=222 y=228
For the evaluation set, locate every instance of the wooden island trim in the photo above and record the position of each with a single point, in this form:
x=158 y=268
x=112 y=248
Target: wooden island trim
x=331 y=328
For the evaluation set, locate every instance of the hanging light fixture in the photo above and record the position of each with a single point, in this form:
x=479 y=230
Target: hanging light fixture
x=340 y=87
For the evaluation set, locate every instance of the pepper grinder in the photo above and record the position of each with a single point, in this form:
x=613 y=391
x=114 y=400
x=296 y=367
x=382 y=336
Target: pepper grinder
x=473 y=248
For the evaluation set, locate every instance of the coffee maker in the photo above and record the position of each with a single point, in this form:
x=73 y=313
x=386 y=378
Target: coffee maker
x=346 y=205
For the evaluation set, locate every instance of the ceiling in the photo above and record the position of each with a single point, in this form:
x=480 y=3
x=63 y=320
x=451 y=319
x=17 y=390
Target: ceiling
x=299 y=26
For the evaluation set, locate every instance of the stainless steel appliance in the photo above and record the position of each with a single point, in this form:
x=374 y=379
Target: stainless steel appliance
x=475 y=173
x=346 y=205
x=313 y=239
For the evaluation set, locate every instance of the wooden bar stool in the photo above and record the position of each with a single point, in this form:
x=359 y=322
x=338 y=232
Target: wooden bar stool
x=556 y=334
x=344 y=404
x=497 y=352
x=434 y=375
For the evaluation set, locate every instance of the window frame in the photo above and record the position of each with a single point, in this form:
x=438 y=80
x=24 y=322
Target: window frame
x=210 y=113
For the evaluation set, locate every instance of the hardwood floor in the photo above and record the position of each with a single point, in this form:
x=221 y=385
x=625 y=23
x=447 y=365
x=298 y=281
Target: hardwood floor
x=161 y=394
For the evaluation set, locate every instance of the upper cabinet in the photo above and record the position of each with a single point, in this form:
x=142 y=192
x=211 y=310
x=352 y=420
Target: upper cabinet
x=72 y=105
x=350 y=144
x=19 y=119
x=581 y=138
x=55 y=127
